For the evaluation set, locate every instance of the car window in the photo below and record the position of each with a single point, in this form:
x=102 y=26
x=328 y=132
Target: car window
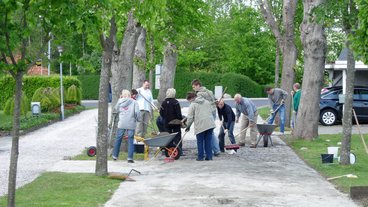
x=356 y=94
x=331 y=94
x=364 y=94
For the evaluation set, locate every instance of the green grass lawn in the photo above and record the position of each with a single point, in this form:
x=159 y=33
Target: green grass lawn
x=29 y=122
x=312 y=155
x=65 y=189
x=122 y=156
x=264 y=112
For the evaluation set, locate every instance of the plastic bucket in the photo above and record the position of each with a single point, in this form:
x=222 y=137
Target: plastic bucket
x=327 y=158
x=333 y=150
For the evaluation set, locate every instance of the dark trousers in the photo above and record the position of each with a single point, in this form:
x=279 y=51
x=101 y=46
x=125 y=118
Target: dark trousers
x=204 y=142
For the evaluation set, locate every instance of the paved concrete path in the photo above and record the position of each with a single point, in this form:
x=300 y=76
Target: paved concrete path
x=41 y=149
x=337 y=129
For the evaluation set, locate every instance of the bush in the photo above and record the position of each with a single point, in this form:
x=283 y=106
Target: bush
x=73 y=95
x=24 y=105
x=31 y=84
x=90 y=85
x=48 y=98
x=236 y=83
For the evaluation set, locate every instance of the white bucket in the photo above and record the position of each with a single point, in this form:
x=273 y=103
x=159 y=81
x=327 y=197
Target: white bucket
x=333 y=150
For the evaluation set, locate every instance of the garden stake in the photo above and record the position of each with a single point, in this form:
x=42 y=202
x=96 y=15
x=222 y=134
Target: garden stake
x=360 y=132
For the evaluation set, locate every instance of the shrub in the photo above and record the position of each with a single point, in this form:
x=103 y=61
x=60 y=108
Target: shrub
x=241 y=84
x=48 y=98
x=73 y=95
x=90 y=86
x=31 y=84
x=24 y=106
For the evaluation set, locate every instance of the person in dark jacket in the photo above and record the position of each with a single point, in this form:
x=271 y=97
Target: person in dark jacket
x=171 y=110
x=227 y=117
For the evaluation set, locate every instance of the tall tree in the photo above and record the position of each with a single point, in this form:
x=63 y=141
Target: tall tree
x=139 y=66
x=285 y=37
x=18 y=20
x=314 y=45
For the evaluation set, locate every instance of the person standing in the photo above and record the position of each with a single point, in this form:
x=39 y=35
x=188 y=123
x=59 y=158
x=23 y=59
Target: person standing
x=145 y=103
x=248 y=110
x=276 y=98
x=227 y=117
x=128 y=111
x=200 y=113
x=296 y=100
x=202 y=91
x=171 y=110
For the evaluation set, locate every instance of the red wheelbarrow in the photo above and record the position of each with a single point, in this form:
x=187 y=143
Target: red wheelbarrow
x=265 y=131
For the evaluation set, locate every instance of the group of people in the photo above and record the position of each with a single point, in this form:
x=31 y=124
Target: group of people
x=135 y=111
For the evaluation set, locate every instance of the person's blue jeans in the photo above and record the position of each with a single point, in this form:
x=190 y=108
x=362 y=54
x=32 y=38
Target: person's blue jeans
x=204 y=142
x=214 y=139
x=230 y=132
x=119 y=136
x=281 y=112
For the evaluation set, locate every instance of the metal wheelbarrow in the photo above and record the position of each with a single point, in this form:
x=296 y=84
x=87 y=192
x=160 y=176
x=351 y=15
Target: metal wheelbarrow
x=265 y=131
x=162 y=142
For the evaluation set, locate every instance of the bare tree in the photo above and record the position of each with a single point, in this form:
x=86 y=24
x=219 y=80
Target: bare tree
x=108 y=46
x=314 y=44
x=139 y=66
x=285 y=38
x=168 y=71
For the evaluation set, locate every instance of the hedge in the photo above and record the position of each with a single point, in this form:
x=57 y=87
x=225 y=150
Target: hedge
x=235 y=83
x=90 y=85
x=31 y=84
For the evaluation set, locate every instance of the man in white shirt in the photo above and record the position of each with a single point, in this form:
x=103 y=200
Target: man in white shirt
x=145 y=103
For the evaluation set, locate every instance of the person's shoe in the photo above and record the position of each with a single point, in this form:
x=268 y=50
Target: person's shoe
x=216 y=154
x=130 y=161
x=242 y=144
x=253 y=146
x=208 y=159
x=199 y=159
x=114 y=158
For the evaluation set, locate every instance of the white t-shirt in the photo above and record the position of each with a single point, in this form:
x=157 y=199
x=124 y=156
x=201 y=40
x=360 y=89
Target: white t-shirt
x=142 y=103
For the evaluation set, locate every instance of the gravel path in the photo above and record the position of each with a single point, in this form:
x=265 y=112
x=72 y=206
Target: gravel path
x=41 y=149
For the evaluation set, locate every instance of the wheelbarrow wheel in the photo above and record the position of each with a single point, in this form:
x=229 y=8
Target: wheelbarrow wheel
x=174 y=152
x=265 y=141
x=91 y=151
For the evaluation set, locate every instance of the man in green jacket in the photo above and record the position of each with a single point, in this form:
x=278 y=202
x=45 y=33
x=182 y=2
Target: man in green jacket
x=296 y=100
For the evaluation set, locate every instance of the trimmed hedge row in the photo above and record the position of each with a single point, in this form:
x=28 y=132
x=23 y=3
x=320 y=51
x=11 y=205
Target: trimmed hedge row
x=235 y=83
x=90 y=85
x=32 y=83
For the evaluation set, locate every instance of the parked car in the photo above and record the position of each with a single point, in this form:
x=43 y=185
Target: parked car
x=331 y=108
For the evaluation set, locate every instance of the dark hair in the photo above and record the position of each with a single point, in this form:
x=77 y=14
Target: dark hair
x=268 y=88
x=191 y=95
x=146 y=81
x=196 y=82
x=134 y=92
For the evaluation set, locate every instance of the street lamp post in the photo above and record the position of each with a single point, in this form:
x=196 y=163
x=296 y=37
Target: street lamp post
x=60 y=49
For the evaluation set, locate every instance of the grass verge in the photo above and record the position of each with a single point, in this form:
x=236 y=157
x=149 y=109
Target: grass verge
x=65 y=189
x=122 y=156
x=310 y=152
x=264 y=112
x=30 y=122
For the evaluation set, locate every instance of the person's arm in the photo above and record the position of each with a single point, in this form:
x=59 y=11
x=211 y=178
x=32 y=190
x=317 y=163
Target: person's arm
x=190 y=116
x=296 y=100
x=219 y=113
x=284 y=95
x=250 y=111
x=178 y=110
x=270 y=101
x=229 y=116
x=137 y=112
x=237 y=111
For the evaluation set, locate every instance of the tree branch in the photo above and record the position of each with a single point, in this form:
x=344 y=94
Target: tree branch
x=7 y=40
x=270 y=19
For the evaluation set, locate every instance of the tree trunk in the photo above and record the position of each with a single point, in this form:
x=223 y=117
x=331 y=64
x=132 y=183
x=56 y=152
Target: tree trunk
x=18 y=76
x=277 y=66
x=314 y=44
x=102 y=135
x=122 y=69
x=348 y=106
x=168 y=71
x=122 y=66
x=139 y=66
x=152 y=61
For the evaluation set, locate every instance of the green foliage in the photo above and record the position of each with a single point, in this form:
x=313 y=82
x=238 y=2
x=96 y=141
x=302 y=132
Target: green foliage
x=24 y=106
x=65 y=189
x=73 y=95
x=235 y=83
x=48 y=97
x=90 y=85
x=32 y=83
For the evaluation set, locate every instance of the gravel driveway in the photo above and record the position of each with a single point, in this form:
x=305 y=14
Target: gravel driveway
x=41 y=149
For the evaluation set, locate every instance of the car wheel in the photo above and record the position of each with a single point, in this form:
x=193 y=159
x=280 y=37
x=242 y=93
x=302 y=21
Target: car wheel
x=328 y=117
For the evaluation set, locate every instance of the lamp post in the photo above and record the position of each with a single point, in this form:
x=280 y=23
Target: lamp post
x=60 y=49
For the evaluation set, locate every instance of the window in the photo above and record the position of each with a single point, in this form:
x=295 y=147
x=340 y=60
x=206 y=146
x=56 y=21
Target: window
x=331 y=95
x=364 y=94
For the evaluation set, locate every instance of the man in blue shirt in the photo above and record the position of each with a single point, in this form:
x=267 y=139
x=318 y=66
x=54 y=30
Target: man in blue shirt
x=248 y=119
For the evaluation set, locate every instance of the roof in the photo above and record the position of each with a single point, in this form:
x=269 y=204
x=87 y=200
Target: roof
x=343 y=55
x=37 y=70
